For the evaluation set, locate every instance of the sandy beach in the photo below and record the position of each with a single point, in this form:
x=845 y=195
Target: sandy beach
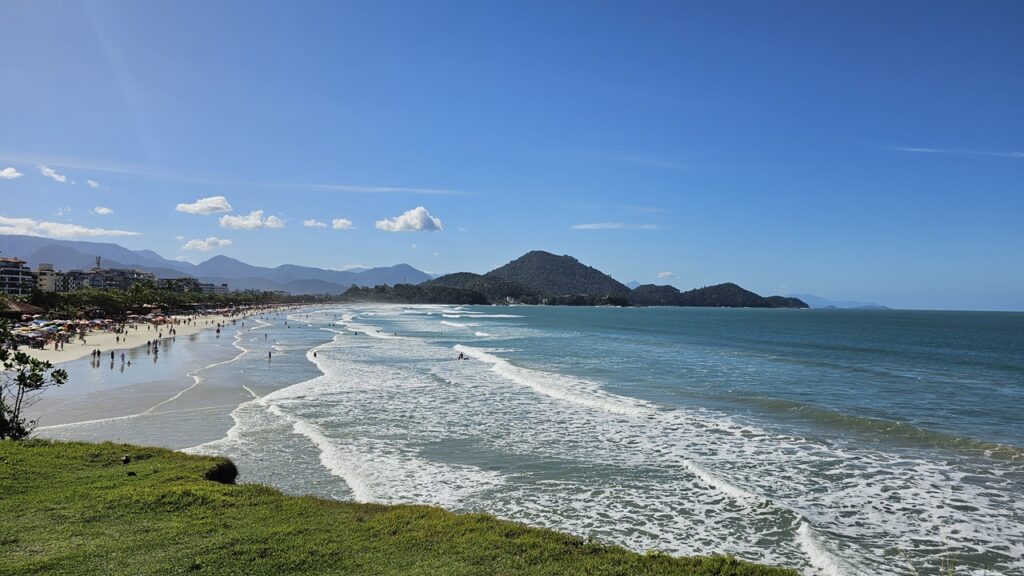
x=106 y=341
x=182 y=396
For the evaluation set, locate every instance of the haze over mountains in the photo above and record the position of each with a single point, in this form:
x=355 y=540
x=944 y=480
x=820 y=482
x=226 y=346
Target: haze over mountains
x=71 y=255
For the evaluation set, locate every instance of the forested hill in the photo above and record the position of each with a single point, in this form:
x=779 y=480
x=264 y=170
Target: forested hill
x=494 y=289
x=551 y=275
x=726 y=295
x=544 y=278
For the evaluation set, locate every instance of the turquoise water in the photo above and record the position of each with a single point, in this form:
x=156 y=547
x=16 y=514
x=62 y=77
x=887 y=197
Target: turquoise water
x=837 y=442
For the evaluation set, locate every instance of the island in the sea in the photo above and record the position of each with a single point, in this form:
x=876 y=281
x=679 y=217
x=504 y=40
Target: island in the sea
x=540 y=277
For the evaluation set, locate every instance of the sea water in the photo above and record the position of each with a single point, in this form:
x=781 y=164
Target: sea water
x=835 y=442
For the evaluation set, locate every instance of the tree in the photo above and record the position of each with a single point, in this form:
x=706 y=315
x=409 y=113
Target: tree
x=21 y=382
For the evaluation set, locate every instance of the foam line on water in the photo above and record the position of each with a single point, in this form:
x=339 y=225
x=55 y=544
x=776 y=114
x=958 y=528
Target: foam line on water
x=559 y=386
x=197 y=379
x=347 y=320
x=722 y=485
x=823 y=561
x=261 y=402
x=82 y=423
x=460 y=324
x=331 y=457
x=152 y=409
x=834 y=508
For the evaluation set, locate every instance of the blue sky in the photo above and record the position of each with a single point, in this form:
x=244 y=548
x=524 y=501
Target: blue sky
x=868 y=150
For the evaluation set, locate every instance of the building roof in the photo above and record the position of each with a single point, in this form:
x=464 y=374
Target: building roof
x=12 y=308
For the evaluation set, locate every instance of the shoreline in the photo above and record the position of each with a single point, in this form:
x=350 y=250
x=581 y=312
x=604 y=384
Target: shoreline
x=106 y=341
x=107 y=404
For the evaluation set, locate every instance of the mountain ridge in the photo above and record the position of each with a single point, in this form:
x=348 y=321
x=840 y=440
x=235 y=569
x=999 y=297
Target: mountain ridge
x=539 y=277
x=219 y=269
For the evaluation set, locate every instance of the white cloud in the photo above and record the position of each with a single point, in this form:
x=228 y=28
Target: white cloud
x=436 y=253
x=92 y=184
x=210 y=205
x=101 y=211
x=341 y=224
x=955 y=152
x=613 y=226
x=30 y=227
x=251 y=221
x=313 y=223
x=206 y=245
x=415 y=220
x=666 y=275
x=51 y=174
x=10 y=173
x=179 y=237
x=62 y=211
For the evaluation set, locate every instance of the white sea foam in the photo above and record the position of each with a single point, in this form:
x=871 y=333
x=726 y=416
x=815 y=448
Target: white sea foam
x=569 y=389
x=400 y=422
x=822 y=561
x=460 y=324
x=714 y=480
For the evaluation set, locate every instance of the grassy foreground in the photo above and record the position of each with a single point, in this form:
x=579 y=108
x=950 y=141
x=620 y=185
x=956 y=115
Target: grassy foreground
x=70 y=508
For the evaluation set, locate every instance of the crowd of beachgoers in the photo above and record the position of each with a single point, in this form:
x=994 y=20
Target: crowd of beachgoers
x=58 y=341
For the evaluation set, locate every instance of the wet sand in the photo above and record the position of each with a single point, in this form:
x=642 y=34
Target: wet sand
x=107 y=341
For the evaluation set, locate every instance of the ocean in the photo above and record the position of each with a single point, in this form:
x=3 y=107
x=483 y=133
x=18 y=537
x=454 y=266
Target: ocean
x=838 y=442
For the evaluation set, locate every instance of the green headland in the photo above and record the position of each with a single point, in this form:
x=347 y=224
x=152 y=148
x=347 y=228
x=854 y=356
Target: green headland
x=74 y=508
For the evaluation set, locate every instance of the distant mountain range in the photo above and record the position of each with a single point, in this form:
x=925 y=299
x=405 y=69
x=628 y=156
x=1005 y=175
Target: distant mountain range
x=75 y=255
x=536 y=277
x=819 y=302
x=542 y=277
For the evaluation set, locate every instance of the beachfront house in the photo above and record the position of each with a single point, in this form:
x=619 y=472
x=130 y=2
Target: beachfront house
x=15 y=277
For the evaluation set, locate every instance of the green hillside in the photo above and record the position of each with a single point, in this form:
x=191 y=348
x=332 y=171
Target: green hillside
x=72 y=509
x=551 y=275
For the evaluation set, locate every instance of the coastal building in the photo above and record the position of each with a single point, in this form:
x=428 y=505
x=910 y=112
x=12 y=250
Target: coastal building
x=46 y=278
x=185 y=284
x=188 y=284
x=215 y=288
x=102 y=279
x=15 y=277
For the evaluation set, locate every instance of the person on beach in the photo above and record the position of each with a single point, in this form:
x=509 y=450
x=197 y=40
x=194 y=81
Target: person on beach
x=268 y=354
